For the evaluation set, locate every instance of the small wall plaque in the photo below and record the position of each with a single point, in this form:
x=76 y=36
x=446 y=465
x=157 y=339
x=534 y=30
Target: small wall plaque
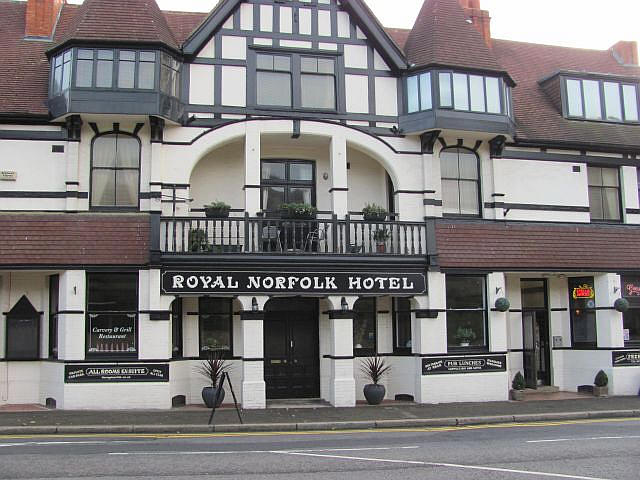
x=557 y=341
x=8 y=175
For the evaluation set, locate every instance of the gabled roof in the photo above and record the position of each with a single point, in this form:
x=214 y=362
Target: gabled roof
x=183 y=24
x=537 y=117
x=443 y=35
x=130 y=21
x=358 y=10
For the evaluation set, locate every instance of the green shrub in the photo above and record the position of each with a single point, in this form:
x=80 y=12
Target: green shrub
x=298 y=210
x=518 y=382
x=601 y=379
x=371 y=211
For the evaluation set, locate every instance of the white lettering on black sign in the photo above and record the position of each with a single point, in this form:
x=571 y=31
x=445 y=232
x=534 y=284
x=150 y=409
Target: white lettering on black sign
x=445 y=365
x=292 y=282
x=116 y=373
x=626 y=358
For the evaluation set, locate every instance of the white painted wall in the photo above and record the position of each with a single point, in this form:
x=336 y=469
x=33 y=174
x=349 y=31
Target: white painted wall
x=357 y=93
x=201 y=84
x=366 y=181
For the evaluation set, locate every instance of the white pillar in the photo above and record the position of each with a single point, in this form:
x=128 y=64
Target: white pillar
x=609 y=322
x=154 y=325
x=342 y=384
x=72 y=150
x=252 y=168
x=496 y=288
x=71 y=324
x=253 y=385
x=339 y=181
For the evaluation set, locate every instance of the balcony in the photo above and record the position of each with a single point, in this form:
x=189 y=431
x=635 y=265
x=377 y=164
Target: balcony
x=324 y=235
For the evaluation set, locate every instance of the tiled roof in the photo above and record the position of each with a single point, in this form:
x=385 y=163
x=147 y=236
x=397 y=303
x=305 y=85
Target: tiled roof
x=537 y=116
x=182 y=24
x=130 y=20
x=513 y=246
x=24 y=74
x=74 y=239
x=398 y=35
x=442 y=35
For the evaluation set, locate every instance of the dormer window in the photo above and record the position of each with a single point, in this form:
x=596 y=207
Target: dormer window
x=601 y=100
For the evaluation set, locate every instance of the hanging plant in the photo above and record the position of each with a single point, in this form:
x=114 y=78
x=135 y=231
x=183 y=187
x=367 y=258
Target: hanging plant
x=621 y=305
x=502 y=304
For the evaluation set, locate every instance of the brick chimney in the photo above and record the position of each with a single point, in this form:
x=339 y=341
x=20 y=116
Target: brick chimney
x=480 y=18
x=42 y=16
x=625 y=53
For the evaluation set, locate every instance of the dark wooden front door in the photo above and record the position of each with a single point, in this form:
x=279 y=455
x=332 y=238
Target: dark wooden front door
x=292 y=365
x=535 y=333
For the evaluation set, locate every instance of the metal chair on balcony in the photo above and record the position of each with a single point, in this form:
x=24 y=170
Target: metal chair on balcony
x=271 y=238
x=313 y=237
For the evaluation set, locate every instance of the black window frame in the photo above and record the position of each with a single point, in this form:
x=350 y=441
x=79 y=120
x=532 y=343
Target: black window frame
x=397 y=311
x=574 y=282
x=485 y=314
x=358 y=313
x=115 y=69
x=634 y=306
x=504 y=92
x=54 y=307
x=418 y=76
x=287 y=182
x=203 y=353
x=459 y=180
x=66 y=61
x=296 y=79
x=107 y=208
x=603 y=108
x=177 y=332
x=602 y=188
x=134 y=314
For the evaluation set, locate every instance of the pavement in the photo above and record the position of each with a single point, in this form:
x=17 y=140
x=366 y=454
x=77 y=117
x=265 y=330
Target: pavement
x=313 y=416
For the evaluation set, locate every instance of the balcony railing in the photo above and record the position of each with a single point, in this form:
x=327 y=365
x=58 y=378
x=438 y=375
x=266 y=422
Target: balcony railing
x=278 y=236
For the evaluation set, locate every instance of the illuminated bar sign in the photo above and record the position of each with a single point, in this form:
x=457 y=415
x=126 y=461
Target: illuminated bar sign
x=292 y=282
x=584 y=291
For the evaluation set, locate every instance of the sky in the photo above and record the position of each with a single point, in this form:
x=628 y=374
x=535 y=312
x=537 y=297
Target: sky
x=573 y=23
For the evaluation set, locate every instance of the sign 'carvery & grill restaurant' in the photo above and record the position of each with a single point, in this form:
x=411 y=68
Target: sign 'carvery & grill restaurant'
x=292 y=282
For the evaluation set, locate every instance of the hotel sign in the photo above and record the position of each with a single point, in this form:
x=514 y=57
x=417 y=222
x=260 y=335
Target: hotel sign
x=626 y=358
x=112 y=373
x=209 y=282
x=445 y=365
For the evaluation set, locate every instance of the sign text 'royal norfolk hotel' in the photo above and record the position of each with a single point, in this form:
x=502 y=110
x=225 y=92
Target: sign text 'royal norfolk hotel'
x=292 y=282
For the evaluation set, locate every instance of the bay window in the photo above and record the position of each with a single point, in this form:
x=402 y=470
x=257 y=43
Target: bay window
x=121 y=69
x=475 y=93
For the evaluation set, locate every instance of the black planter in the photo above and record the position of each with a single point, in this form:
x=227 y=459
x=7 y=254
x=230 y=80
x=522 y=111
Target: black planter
x=216 y=213
x=208 y=396
x=375 y=217
x=374 y=393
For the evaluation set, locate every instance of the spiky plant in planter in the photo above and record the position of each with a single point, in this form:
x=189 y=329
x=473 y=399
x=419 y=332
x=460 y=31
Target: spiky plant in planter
x=374 y=368
x=217 y=209
x=212 y=369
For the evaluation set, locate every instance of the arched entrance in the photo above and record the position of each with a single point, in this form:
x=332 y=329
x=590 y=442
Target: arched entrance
x=291 y=352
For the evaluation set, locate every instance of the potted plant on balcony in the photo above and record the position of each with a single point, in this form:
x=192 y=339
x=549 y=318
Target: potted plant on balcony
x=465 y=335
x=381 y=236
x=212 y=369
x=374 y=368
x=374 y=213
x=601 y=384
x=217 y=209
x=517 y=387
x=298 y=210
x=198 y=240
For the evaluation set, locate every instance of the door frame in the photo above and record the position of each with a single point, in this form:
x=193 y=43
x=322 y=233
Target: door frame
x=548 y=381
x=315 y=323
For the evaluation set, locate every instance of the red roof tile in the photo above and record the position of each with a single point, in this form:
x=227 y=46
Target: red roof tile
x=74 y=239
x=536 y=114
x=398 y=35
x=513 y=246
x=182 y=24
x=130 y=20
x=442 y=35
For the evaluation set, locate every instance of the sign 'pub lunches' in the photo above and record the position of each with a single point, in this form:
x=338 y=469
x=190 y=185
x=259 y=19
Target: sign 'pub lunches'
x=292 y=283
